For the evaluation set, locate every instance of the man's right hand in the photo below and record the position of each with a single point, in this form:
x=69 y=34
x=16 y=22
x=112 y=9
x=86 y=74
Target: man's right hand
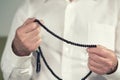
x=27 y=38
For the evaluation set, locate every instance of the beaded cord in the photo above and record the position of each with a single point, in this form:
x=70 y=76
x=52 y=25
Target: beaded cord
x=40 y=54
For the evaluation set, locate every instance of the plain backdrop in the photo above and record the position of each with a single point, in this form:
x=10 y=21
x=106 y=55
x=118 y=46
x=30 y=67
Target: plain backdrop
x=7 y=11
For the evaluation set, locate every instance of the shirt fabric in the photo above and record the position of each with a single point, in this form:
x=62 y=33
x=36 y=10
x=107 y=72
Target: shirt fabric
x=81 y=21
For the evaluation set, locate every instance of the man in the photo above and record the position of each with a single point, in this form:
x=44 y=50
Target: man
x=82 y=21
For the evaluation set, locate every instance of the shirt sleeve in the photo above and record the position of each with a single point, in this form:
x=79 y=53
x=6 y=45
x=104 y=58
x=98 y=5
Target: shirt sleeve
x=15 y=67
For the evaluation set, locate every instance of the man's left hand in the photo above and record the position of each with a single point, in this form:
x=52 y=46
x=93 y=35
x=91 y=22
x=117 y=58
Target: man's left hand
x=102 y=60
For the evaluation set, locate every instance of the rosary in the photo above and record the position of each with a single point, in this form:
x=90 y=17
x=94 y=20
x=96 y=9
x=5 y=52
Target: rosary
x=40 y=54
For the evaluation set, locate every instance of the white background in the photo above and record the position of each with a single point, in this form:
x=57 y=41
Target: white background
x=7 y=11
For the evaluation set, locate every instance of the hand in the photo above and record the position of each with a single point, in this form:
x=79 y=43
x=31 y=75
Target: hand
x=101 y=60
x=27 y=38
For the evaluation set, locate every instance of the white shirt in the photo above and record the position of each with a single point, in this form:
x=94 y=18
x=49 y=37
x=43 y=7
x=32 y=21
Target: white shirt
x=81 y=21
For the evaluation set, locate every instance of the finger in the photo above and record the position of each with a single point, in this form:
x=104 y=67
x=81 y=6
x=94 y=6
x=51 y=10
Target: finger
x=41 y=21
x=34 y=33
x=32 y=44
x=98 y=59
x=96 y=70
x=94 y=63
x=35 y=39
x=30 y=27
x=100 y=51
x=29 y=20
x=36 y=42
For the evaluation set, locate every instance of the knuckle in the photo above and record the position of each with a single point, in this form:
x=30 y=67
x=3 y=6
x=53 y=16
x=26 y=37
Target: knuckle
x=101 y=51
x=38 y=30
x=23 y=40
x=39 y=42
x=32 y=48
x=32 y=27
x=34 y=24
x=110 y=64
x=90 y=67
x=18 y=31
x=106 y=70
x=90 y=62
